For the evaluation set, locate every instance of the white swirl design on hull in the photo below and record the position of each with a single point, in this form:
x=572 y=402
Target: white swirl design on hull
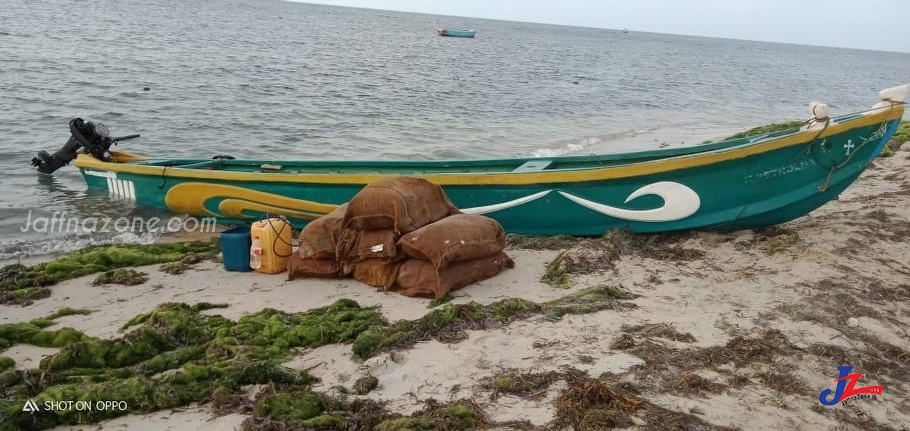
x=513 y=203
x=679 y=202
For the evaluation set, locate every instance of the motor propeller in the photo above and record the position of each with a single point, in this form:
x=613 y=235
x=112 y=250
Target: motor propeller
x=86 y=137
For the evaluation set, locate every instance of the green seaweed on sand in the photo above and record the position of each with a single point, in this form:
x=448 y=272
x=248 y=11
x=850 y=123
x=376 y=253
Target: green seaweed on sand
x=296 y=407
x=69 y=311
x=281 y=411
x=437 y=302
x=169 y=327
x=179 y=354
x=585 y=301
x=273 y=332
x=451 y=321
x=775 y=239
x=20 y=284
x=527 y=384
x=274 y=410
x=901 y=135
x=458 y=415
x=558 y=271
x=172 y=356
x=447 y=323
x=555 y=242
x=365 y=385
x=124 y=276
x=6 y=363
x=186 y=263
x=592 y=255
x=140 y=393
x=33 y=333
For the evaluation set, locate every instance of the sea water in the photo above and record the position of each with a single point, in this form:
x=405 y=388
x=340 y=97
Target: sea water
x=256 y=78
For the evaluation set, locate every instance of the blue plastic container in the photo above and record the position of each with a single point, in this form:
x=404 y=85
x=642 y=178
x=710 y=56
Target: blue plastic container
x=235 y=249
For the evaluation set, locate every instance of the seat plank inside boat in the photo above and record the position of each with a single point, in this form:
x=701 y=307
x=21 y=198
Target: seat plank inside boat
x=533 y=165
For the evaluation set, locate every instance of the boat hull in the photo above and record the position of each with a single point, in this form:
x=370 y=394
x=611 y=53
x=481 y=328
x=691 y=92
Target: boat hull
x=745 y=184
x=456 y=33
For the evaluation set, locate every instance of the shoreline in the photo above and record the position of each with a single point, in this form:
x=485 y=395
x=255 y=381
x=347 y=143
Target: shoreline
x=737 y=330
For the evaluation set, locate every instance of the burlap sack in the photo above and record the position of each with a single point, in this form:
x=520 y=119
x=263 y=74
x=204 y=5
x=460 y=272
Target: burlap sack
x=376 y=272
x=455 y=238
x=299 y=267
x=420 y=277
x=400 y=203
x=319 y=238
x=357 y=245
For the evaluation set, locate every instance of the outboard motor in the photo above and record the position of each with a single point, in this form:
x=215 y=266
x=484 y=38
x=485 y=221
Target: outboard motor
x=85 y=136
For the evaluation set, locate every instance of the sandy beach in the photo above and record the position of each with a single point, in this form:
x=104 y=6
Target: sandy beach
x=738 y=330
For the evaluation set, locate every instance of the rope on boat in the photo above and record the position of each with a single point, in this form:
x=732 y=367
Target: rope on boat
x=824 y=186
x=827 y=182
x=163 y=178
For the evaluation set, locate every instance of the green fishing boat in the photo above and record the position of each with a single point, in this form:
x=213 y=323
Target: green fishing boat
x=735 y=184
x=461 y=32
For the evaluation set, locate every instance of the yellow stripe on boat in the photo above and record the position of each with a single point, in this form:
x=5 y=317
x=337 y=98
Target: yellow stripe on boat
x=509 y=178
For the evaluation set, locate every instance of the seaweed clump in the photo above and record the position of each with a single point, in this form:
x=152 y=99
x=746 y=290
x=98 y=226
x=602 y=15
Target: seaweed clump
x=778 y=239
x=273 y=332
x=33 y=333
x=21 y=284
x=365 y=385
x=785 y=126
x=555 y=242
x=184 y=264
x=773 y=239
x=676 y=370
x=279 y=411
x=593 y=404
x=179 y=354
x=69 y=311
x=901 y=135
x=6 y=363
x=124 y=276
x=170 y=357
x=589 y=404
x=450 y=322
x=596 y=255
x=458 y=415
x=526 y=385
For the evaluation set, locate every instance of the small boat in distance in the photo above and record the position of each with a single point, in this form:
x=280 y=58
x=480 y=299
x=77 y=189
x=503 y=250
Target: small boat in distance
x=463 y=32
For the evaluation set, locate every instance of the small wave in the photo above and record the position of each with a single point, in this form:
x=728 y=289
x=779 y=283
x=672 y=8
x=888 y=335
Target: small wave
x=52 y=246
x=552 y=152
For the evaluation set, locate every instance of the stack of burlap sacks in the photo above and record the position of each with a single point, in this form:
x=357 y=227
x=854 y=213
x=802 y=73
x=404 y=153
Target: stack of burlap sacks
x=402 y=234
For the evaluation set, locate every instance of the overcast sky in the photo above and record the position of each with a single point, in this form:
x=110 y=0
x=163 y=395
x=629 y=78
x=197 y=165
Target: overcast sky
x=870 y=24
